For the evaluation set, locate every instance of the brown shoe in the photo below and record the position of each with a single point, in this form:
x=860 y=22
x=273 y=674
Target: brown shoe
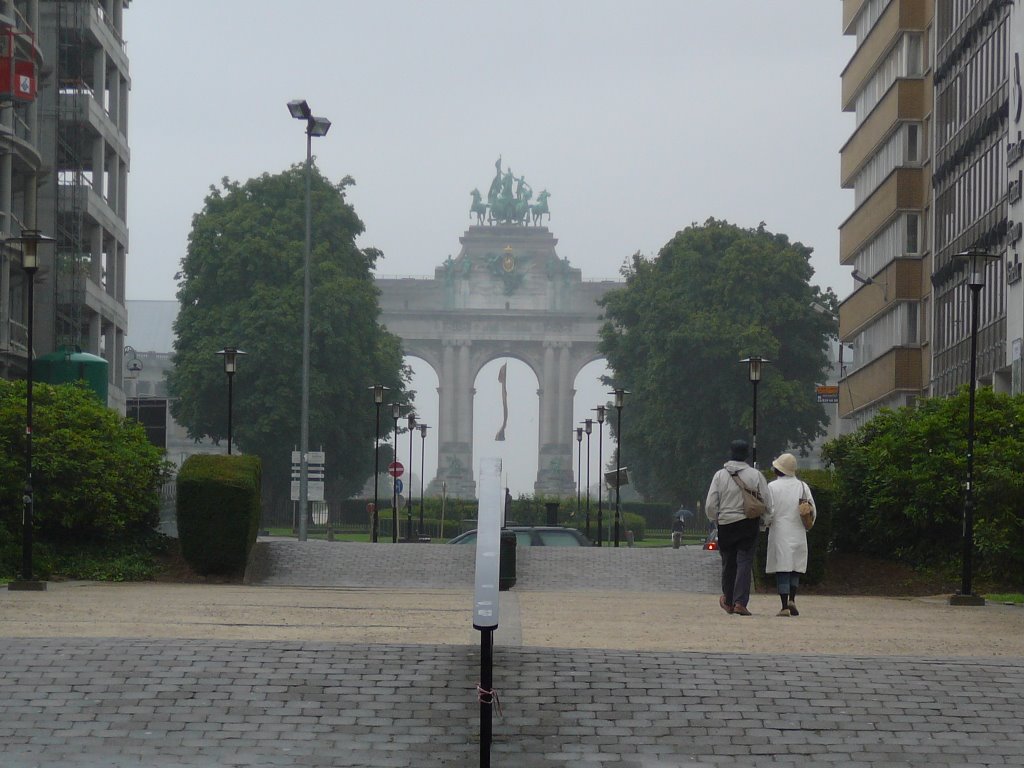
x=725 y=606
x=740 y=610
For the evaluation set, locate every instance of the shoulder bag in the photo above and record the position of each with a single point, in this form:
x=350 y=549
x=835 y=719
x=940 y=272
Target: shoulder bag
x=806 y=509
x=753 y=504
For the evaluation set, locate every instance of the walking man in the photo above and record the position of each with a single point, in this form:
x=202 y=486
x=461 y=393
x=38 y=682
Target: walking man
x=737 y=533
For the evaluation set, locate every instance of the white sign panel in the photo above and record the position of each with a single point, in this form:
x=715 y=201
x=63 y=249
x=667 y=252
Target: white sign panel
x=314 y=490
x=488 y=545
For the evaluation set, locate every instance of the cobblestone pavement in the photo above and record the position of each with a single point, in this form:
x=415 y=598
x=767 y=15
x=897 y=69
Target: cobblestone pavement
x=168 y=704
x=287 y=562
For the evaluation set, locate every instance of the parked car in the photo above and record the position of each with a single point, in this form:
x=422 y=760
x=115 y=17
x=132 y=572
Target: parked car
x=535 y=536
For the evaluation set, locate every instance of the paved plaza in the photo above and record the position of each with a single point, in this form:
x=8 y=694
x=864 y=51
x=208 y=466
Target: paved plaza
x=602 y=668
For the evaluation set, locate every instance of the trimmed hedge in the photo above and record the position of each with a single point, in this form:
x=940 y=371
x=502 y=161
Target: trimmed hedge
x=218 y=511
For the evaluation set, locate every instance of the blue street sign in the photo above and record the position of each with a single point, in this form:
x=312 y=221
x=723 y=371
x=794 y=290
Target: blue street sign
x=398 y=485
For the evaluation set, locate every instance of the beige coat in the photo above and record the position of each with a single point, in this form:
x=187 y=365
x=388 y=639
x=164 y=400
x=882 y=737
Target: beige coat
x=787 y=538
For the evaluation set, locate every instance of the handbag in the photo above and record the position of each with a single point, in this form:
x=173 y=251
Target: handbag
x=806 y=510
x=753 y=504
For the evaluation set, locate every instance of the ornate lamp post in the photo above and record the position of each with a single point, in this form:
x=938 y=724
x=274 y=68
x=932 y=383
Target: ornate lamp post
x=620 y=398
x=30 y=240
x=378 y=400
x=423 y=453
x=230 y=355
x=588 y=427
x=315 y=126
x=600 y=470
x=977 y=262
x=754 y=364
x=579 y=473
x=411 y=421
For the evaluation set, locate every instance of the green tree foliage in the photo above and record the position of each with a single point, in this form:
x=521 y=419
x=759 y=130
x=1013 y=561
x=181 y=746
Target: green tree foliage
x=95 y=475
x=241 y=285
x=901 y=483
x=715 y=294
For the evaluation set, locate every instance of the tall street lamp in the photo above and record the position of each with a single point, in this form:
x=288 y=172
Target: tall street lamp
x=315 y=126
x=30 y=240
x=423 y=453
x=977 y=261
x=754 y=364
x=600 y=469
x=396 y=414
x=579 y=473
x=230 y=355
x=378 y=399
x=411 y=421
x=620 y=399
x=588 y=427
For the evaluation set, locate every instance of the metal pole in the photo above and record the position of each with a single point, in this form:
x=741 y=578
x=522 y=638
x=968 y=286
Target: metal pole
x=968 y=537
x=588 y=493
x=230 y=379
x=753 y=445
x=304 y=435
x=375 y=518
x=423 y=453
x=600 y=477
x=29 y=498
x=618 y=469
x=394 y=489
x=408 y=498
x=579 y=479
x=486 y=695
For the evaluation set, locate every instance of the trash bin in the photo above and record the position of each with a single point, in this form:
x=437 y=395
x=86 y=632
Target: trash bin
x=552 y=512
x=507 y=560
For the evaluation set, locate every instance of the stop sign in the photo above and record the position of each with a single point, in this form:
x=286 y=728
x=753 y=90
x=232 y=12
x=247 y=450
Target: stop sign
x=395 y=469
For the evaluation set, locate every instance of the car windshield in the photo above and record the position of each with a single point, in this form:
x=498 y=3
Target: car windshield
x=558 y=539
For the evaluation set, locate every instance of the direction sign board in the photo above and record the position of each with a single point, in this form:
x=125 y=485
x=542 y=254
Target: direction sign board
x=396 y=469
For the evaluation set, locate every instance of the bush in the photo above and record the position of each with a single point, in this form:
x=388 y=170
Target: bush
x=95 y=475
x=218 y=511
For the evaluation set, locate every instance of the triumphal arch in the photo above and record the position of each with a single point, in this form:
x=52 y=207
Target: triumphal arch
x=507 y=294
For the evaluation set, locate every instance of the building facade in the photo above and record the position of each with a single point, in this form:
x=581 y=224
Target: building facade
x=76 y=191
x=887 y=162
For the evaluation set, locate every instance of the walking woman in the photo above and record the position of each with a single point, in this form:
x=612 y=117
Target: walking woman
x=787 y=534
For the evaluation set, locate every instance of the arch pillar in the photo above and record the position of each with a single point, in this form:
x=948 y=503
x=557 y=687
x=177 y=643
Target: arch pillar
x=554 y=466
x=455 y=422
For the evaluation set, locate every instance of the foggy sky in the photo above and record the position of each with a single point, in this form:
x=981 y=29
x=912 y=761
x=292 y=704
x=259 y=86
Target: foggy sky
x=640 y=118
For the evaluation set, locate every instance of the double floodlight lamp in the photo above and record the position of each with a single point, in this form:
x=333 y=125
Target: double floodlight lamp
x=315 y=126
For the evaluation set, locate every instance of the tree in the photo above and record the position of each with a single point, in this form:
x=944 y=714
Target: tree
x=900 y=483
x=674 y=334
x=241 y=285
x=95 y=475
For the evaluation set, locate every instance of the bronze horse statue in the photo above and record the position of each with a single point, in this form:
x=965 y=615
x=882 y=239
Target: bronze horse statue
x=541 y=207
x=479 y=207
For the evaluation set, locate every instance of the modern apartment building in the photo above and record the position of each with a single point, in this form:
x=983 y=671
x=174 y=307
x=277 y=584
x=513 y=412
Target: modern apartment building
x=887 y=162
x=73 y=184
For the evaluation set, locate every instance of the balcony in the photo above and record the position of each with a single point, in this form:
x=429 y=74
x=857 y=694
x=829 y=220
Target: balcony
x=898 y=370
x=908 y=100
x=906 y=189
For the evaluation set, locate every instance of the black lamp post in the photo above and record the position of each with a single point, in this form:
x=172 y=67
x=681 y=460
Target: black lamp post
x=620 y=398
x=754 y=364
x=30 y=240
x=315 y=126
x=378 y=400
x=396 y=414
x=977 y=261
x=588 y=428
x=579 y=474
x=423 y=453
x=230 y=355
x=600 y=469
x=411 y=421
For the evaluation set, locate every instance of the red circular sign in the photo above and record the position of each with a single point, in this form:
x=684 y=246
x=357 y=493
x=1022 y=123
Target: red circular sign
x=396 y=469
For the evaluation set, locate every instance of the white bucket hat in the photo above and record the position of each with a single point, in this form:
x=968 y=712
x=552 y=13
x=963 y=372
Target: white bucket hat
x=786 y=464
